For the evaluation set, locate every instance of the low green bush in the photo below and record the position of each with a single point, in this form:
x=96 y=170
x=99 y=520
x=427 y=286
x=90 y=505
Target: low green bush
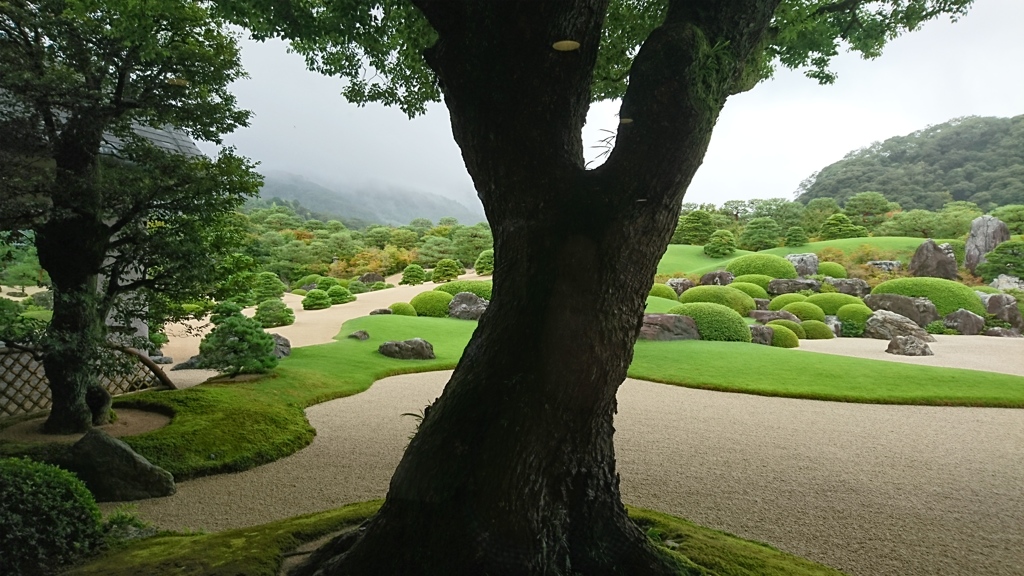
x=783 y=337
x=481 y=288
x=339 y=295
x=357 y=287
x=939 y=327
x=48 y=517
x=237 y=345
x=299 y=292
x=306 y=280
x=380 y=285
x=833 y=269
x=783 y=299
x=947 y=295
x=752 y=290
x=805 y=311
x=402 y=309
x=326 y=282
x=266 y=286
x=794 y=327
x=831 y=302
x=663 y=291
x=986 y=289
x=715 y=321
x=1007 y=258
x=433 y=303
x=413 y=275
x=316 y=299
x=446 y=270
x=817 y=330
x=853 y=318
x=273 y=312
x=484 y=264
x=766 y=264
x=761 y=280
x=724 y=295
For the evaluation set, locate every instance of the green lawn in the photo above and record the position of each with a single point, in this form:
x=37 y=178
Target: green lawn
x=692 y=260
x=895 y=243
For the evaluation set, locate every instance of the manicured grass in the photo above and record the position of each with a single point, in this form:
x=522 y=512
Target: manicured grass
x=895 y=243
x=258 y=551
x=692 y=260
x=44 y=315
x=657 y=305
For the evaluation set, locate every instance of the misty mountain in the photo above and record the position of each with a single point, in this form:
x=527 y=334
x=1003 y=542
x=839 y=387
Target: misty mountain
x=373 y=203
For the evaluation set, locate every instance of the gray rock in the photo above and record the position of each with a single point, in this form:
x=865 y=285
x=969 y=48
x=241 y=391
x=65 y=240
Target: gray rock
x=282 y=347
x=1007 y=282
x=467 y=306
x=908 y=346
x=834 y=323
x=114 y=472
x=987 y=232
x=788 y=286
x=886 y=265
x=379 y=311
x=370 y=278
x=761 y=303
x=852 y=286
x=1002 y=333
x=717 y=278
x=766 y=316
x=965 y=322
x=680 y=285
x=761 y=334
x=1004 y=307
x=806 y=264
x=932 y=261
x=886 y=325
x=359 y=335
x=190 y=364
x=414 y=349
x=308 y=287
x=920 y=310
x=162 y=359
x=666 y=327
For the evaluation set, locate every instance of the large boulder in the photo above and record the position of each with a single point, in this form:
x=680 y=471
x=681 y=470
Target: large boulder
x=114 y=472
x=1004 y=307
x=761 y=334
x=360 y=335
x=282 y=346
x=766 y=316
x=886 y=265
x=762 y=303
x=834 y=323
x=965 y=322
x=370 y=278
x=380 y=311
x=920 y=310
x=987 y=232
x=717 y=278
x=852 y=286
x=1007 y=282
x=414 y=349
x=886 y=325
x=1002 y=332
x=668 y=327
x=190 y=364
x=788 y=286
x=908 y=346
x=680 y=285
x=805 y=264
x=467 y=306
x=932 y=261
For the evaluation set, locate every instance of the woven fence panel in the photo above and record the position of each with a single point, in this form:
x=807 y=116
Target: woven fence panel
x=24 y=388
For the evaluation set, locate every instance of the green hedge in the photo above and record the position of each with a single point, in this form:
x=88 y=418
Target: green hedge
x=805 y=311
x=817 y=330
x=272 y=313
x=715 y=321
x=724 y=295
x=947 y=295
x=481 y=288
x=783 y=337
x=340 y=295
x=316 y=299
x=413 y=275
x=794 y=327
x=402 y=309
x=663 y=291
x=766 y=264
x=761 y=280
x=752 y=290
x=833 y=269
x=831 y=302
x=433 y=303
x=782 y=300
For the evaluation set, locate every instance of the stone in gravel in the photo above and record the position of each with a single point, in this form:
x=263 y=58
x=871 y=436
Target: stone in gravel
x=113 y=472
x=920 y=310
x=886 y=325
x=987 y=232
x=788 y=286
x=665 y=327
x=379 y=311
x=908 y=346
x=834 y=323
x=370 y=278
x=162 y=359
x=852 y=286
x=1002 y=332
x=766 y=316
x=359 y=335
x=282 y=346
x=414 y=349
x=467 y=306
x=190 y=364
x=1004 y=307
x=930 y=260
x=717 y=278
x=761 y=334
x=805 y=264
x=1007 y=282
x=965 y=322
x=761 y=303
x=680 y=285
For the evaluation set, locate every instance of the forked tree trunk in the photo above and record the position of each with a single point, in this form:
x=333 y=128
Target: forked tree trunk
x=513 y=468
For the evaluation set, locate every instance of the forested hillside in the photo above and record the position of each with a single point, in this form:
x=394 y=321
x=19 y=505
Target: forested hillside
x=980 y=160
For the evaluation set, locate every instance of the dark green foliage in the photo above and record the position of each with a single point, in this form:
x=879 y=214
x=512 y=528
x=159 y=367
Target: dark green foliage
x=357 y=287
x=663 y=291
x=816 y=330
x=1013 y=216
x=782 y=300
x=402 y=309
x=468 y=242
x=721 y=244
x=307 y=280
x=433 y=303
x=338 y=295
x=760 y=234
x=237 y=345
x=413 y=275
x=266 y=286
x=1006 y=258
x=694 y=228
x=724 y=295
x=765 y=264
x=805 y=311
x=833 y=269
x=481 y=288
x=761 y=280
x=947 y=295
x=48 y=518
x=796 y=236
x=748 y=288
x=715 y=321
x=325 y=283
x=272 y=313
x=378 y=285
x=839 y=226
x=867 y=209
x=484 y=264
x=851 y=330
x=783 y=337
x=316 y=299
x=831 y=303
x=939 y=327
x=853 y=317
x=446 y=271
x=793 y=327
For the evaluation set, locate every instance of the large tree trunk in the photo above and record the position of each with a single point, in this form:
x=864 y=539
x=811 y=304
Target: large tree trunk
x=513 y=468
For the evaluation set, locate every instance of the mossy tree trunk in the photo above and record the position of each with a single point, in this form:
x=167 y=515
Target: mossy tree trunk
x=513 y=468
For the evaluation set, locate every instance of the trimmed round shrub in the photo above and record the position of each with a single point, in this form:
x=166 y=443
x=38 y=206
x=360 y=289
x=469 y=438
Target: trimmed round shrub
x=380 y=285
x=766 y=264
x=759 y=279
x=817 y=330
x=663 y=291
x=49 y=518
x=446 y=270
x=715 y=321
x=238 y=345
x=402 y=309
x=357 y=287
x=481 y=288
x=833 y=269
x=793 y=327
x=782 y=300
x=413 y=275
x=986 y=289
x=325 y=283
x=724 y=295
x=752 y=290
x=947 y=295
x=273 y=312
x=267 y=286
x=854 y=313
x=433 y=303
x=316 y=299
x=805 y=311
x=484 y=264
x=721 y=244
x=831 y=302
x=339 y=295
x=783 y=337
x=299 y=292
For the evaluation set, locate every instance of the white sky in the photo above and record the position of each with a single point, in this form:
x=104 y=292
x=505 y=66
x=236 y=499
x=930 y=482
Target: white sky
x=767 y=140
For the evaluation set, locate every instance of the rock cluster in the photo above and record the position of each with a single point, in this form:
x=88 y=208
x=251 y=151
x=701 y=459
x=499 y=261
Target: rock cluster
x=680 y=285
x=920 y=310
x=886 y=325
x=666 y=327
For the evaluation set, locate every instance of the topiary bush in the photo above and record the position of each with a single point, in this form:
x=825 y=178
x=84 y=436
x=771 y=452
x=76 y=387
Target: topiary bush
x=48 y=518
x=947 y=295
x=724 y=295
x=433 y=303
x=796 y=236
x=446 y=270
x=831 y=302
x=266 y=286
x=316 y=299
x=299 y=292
x=805 y=311
x=761 y=280
x=766 y=264
x=357 y=287
x=833 y=269
x=238 y=345
x=817 y=330
x=481 y=288
x=402 y=309
x=663 y=291
x=380 y=285
x=413 y=275
x=721 y=244
x=484 y=264
x=326 y=282
x=752 y=290
x=715 y=321
x=339 y=295
x=854 y=317
x=793 y=327
x=273 y=312
x=783 y=337
x=782 y=300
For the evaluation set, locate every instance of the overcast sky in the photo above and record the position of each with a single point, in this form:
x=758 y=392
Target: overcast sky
x=767 y=140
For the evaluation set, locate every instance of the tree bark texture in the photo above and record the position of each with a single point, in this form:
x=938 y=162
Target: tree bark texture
x=513 y=468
